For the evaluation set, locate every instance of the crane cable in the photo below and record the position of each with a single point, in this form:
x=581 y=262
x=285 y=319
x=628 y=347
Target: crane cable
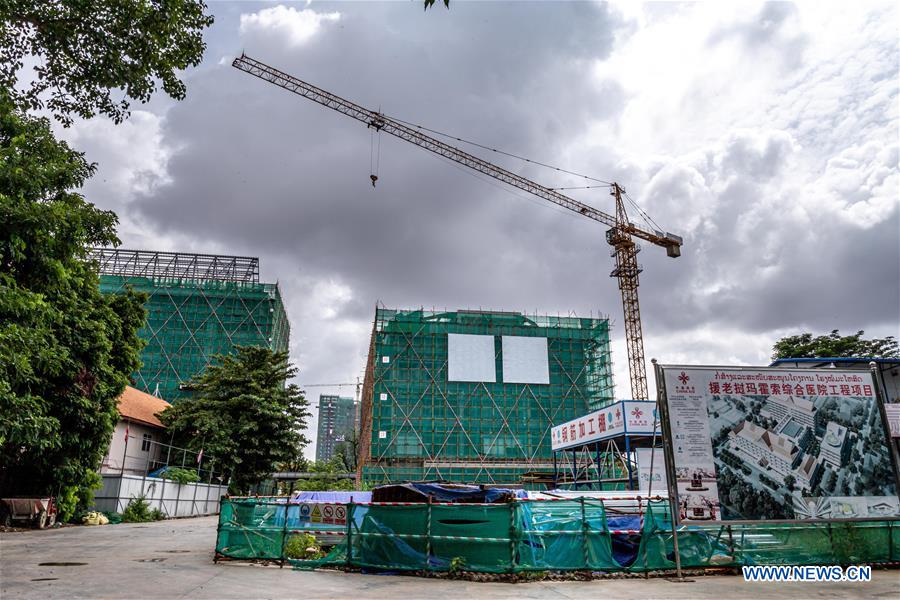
x=606 y=184
x=504 y=153
x=374 y=155
x=647 y=218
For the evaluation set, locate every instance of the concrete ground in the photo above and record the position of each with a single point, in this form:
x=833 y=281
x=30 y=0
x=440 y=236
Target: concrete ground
x=173 y=559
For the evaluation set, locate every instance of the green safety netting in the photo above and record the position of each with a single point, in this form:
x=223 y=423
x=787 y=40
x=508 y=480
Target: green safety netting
x=556 y=535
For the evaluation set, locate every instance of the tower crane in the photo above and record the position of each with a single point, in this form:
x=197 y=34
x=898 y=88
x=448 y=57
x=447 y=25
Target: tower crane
x=621 y=234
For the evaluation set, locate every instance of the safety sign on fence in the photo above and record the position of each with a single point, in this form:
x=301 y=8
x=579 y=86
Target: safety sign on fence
x=315 y=512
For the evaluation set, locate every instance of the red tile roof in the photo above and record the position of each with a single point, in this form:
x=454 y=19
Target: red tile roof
x=140 y=406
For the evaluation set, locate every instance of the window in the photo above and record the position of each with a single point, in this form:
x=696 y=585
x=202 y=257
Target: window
x=145 y=443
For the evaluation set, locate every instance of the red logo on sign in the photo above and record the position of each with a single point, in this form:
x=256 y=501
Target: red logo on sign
x=637 y=413
x=684 y=378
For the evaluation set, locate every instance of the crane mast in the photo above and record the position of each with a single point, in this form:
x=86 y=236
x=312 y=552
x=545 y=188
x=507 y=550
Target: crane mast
x=620 y=235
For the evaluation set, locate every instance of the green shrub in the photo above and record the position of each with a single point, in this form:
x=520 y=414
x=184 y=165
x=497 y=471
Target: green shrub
x=303 y=546
x=157 y=515
x=457 y=565
x=137 y=511
x=181 y=476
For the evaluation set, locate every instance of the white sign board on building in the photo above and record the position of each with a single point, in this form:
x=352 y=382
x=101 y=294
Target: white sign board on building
x=771 y=444
x=525 y=360
x=471 y=358
x=630 y=417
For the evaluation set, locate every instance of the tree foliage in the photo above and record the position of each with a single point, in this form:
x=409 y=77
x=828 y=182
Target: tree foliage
x=244 y=415
x=91 y=56
x=326 y=478
x=65 y=350
x=430 y=3
x=835 y=345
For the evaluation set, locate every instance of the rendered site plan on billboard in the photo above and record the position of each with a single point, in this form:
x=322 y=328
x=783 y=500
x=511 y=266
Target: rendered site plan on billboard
x=766 y=444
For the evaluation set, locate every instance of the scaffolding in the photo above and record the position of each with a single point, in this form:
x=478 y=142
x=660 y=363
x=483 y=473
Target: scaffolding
x=415 y=424
x=175 y=265
x=198 y=306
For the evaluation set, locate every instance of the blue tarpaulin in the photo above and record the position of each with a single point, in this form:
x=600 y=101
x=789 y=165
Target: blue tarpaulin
x=440 y=492
x=624 y=545
x=332 y=497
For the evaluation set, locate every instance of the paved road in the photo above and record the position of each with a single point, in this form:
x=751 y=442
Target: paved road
x=173 y=559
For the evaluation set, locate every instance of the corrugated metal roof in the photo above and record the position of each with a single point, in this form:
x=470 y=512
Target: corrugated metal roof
x=140 y=406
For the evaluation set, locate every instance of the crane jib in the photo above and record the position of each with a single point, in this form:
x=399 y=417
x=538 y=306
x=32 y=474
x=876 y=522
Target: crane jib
x=404 y=132
x=619 y=236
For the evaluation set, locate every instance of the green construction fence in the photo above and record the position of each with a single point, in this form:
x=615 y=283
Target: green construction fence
x=537 y=535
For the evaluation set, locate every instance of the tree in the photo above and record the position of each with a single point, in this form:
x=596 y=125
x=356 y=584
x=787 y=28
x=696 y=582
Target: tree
x=790 y=481
x=834 y=345
x=65 y=351
x=244 y=414
x=326 y=479
x=93 y=56
x=348 y=451
x=430 y=3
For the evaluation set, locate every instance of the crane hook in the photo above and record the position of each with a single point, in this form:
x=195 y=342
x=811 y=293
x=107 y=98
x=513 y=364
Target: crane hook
x=374 y=178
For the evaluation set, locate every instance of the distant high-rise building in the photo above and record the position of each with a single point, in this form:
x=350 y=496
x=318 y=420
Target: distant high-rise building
x=198 y=305
x=337 y=421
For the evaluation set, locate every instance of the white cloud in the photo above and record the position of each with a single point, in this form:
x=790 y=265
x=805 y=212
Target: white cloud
x=131 y=159
x=296 y=27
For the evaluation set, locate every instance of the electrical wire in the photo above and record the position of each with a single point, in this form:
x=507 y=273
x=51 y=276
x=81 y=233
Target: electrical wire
x=326 y=385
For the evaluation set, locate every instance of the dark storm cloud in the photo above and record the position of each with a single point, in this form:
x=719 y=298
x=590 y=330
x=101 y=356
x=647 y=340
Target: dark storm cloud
x=276 y=175
x=264 y=172
x=787 y=207
x=751 y=263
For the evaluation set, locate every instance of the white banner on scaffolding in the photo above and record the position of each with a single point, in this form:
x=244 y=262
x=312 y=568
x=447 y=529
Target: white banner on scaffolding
x=471 y=358
x=525 y=360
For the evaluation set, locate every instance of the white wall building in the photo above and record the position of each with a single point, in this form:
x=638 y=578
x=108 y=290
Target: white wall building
x=767 y=447
x=790 y=407
x=832 y=446
x=806 y=471
x=144 y=431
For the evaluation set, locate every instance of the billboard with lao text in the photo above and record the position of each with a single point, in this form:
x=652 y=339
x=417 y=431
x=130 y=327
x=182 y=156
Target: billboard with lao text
x=770 y=444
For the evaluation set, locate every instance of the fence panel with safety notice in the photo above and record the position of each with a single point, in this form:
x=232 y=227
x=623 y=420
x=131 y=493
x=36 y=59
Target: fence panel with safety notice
x=529 y=535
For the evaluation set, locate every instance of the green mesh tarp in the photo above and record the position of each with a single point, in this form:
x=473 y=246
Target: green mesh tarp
x=553 y=535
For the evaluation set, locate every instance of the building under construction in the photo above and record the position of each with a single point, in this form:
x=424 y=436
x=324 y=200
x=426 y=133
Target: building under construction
x=199 y=305
x=471 y=396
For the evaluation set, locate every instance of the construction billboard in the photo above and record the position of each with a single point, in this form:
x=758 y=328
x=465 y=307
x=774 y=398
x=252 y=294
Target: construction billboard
x=771 y=444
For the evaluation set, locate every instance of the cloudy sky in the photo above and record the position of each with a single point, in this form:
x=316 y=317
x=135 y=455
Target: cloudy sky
x=765 y=134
